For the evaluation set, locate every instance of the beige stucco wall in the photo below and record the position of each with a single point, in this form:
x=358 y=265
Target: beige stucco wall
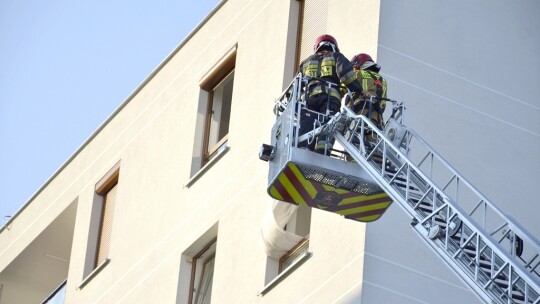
x=468 y=73
x=157 y=218
x=488 y=131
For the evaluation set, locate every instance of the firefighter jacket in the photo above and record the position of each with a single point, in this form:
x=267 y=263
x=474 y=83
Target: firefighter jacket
x=375 y=84
x=332 y=67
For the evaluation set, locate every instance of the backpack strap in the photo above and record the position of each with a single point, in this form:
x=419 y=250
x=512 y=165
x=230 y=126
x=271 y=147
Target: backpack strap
x=378 y=81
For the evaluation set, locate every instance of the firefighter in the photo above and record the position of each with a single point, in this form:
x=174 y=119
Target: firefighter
x=329 y=69
x=367 y=72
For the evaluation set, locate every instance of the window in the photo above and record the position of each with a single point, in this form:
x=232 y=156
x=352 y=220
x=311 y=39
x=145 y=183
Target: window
x=285 y=234
x=217 y=117
x=196 y=271
x=108 y=195
x=299 y=224
x=58 y=296
x=202 y=273
x=101 y=223
x=293 y=255
x=213 y=115
x=217 y=87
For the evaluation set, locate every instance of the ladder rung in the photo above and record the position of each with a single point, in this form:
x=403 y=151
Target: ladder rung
x=473 y=250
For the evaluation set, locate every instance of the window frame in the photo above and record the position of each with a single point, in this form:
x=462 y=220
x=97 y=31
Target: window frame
x=101 y=189
x=211 y=81
x=204 y=272
x=302 y=248
x=194 y=278
x=283 y=273
x=104 y=190
x=209 y=152
x=277 y=269
x=91 y=265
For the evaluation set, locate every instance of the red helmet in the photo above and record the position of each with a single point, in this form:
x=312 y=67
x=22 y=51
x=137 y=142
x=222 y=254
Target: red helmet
x=360 y=59
x=330 y=41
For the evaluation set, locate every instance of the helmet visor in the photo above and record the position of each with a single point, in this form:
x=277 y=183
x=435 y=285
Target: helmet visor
x=326 y=44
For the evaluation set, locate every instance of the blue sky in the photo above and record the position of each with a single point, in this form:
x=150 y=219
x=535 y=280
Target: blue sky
x=65 y=66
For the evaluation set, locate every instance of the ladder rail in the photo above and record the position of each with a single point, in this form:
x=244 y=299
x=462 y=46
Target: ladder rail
x=513 y=227
x=526 y=279
x=456 y=174
x=410 y=210
x=492 y=253
x=483 y=209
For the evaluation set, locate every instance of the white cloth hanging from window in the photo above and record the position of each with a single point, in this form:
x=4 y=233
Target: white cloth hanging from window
x=276 y=240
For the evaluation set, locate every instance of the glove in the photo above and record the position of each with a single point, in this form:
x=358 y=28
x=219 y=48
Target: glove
x=358 y=96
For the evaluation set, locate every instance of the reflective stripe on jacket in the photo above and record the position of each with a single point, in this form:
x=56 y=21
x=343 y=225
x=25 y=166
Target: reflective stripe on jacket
x=374 y=83
x=332 y=67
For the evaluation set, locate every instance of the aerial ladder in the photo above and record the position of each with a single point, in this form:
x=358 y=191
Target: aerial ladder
x=492 y=253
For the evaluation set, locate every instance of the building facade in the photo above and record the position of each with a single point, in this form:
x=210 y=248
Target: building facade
x=166 y=202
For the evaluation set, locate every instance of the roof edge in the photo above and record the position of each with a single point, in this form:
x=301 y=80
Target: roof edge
x=122 y=105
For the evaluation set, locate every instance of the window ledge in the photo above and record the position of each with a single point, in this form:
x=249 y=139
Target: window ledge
x=94 y=273
x=208 y=165
x=284 y=273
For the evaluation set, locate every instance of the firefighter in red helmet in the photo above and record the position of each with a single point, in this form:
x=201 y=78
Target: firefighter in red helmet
x=326 y=70
x=367 y=72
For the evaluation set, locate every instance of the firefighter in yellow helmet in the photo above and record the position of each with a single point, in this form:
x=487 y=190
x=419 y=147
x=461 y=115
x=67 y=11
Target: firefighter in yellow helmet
x=367 y=72
x=328 y=69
